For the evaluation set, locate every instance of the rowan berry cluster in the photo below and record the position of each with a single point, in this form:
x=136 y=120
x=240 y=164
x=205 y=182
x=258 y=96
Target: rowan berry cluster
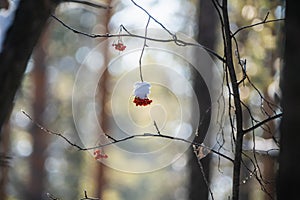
x=119 y=46
x=142 y=102
x=98 y=155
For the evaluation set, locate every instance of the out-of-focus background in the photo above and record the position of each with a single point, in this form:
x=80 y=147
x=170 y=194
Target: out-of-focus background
x=43 y=163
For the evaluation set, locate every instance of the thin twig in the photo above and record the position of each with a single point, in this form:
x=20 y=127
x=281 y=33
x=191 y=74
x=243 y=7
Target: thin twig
x=129 y=34
x=205 y=179
x=269 y=152
x=262 y=123
x=150 y=16
x=88 y=3
x=52 y=197
x=257 y=174
x=86 y=197
x=242 y=64
x=52 y=132
x=156 y=127
x=256 y=24
x=109 y=137
x=115 y=141
x=143 y=49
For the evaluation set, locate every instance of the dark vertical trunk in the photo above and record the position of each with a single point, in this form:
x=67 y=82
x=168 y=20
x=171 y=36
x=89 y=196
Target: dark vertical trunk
x=38 y=156
x=289 y=173
x=4 y=159
x=30 y=19
x=237 y=102
x=206 y=37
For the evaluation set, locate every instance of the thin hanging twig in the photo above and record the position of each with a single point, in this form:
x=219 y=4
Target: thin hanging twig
x=205 y=179
x=143 y=49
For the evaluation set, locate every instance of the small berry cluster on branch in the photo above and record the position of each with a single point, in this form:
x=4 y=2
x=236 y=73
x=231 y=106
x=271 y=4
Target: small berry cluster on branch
x=142 y=102
x=141 y=91
x=98 y=154
x=119 y=45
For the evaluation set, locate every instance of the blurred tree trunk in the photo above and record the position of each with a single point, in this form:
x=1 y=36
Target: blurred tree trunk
x=4 y=159
x=103 y=118
x=4 y=4
x=207 y=37
x=289 y=173
x=269 y=161
x=21 y=37
x=30 y=19
x=40 y=140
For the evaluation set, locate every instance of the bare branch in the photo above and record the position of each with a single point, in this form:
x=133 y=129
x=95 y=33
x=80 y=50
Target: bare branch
x=242 y=63
x=129 y=34
x=115 y=141
x=205 y=179
x=52 y=132
x=268 y=152
x=86 y=197
x=88 y=3
x=265 y=21
x=110 y=137
x=236 y=101
x=262 y=123
x=160 y=136
x=256 y=172
x=150 y=16
x=266 y=17
x=156 y=127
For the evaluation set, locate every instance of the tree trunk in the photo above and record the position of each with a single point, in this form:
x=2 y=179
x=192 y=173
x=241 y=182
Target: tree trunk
x=206 y=37
x=103 y=117
x=30 y=19
x=289 y=173
x=4 y=159
x=38 y=156
x=237 y=102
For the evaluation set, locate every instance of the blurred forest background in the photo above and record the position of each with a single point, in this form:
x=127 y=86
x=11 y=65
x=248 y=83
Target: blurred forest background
x=41 y=163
